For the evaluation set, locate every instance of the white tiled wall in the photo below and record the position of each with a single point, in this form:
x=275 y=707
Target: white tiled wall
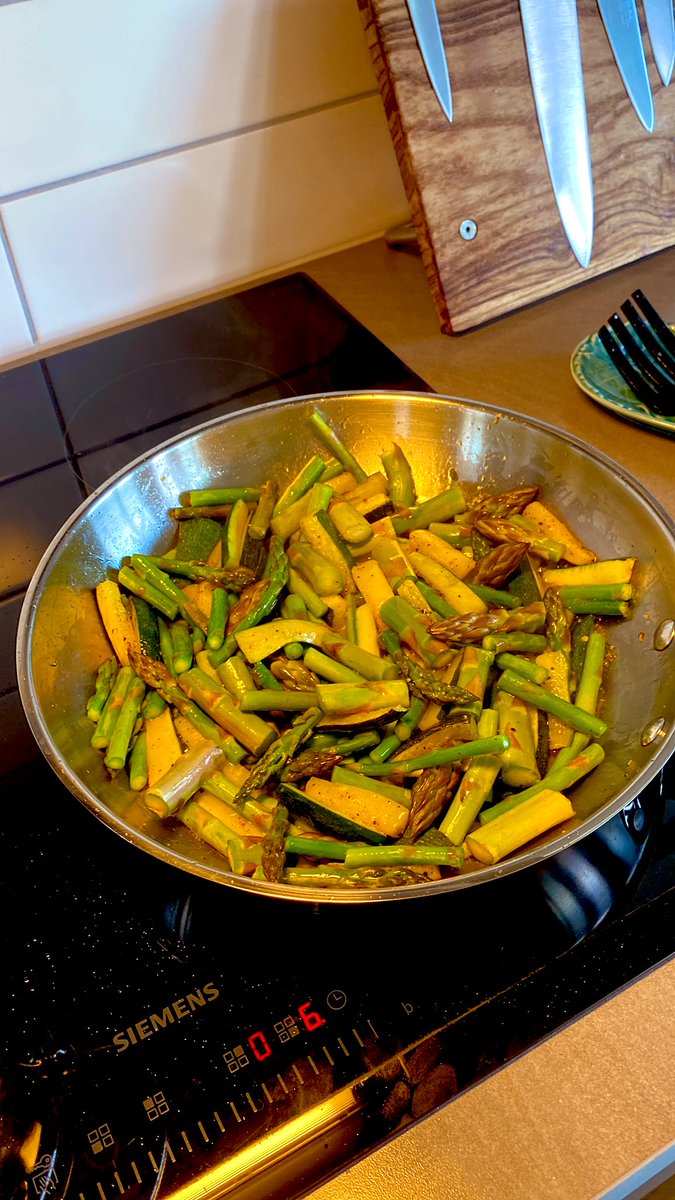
x=153 y=151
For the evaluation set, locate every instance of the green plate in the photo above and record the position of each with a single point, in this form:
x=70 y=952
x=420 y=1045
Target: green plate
x=598 y=378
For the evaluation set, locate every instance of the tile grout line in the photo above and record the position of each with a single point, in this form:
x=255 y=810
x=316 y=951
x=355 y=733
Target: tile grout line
x=171 y=151
x=18 y=282
x=71 y=457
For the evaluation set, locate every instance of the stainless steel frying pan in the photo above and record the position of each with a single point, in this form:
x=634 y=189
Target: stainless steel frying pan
x=61 y=639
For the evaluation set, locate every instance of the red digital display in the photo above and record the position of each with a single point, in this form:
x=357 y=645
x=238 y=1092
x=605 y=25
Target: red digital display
x=260 y=1045
x=305 y=1017
x=310 y=1018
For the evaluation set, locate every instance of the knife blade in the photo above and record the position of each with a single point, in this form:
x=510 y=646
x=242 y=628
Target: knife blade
x=622 y=26
x=427 y=28
x=554 y=58
x=661 y=28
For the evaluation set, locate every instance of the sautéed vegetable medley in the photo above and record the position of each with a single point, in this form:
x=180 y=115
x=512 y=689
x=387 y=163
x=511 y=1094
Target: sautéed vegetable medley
x=341 y=683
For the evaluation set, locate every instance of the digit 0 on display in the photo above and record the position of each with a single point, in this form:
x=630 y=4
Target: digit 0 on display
x=260 y=1045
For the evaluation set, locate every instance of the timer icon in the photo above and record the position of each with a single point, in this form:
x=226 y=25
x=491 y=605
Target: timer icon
x=336 y=999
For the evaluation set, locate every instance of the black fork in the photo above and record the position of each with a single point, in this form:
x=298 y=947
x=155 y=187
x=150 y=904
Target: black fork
x=642 y=348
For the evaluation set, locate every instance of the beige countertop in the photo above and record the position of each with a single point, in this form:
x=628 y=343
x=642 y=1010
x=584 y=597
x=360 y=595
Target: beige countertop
x=591 y=1112
x=520 y=361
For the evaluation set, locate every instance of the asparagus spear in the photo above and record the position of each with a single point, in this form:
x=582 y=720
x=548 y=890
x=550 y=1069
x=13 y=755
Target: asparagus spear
x=533 y=694
x=399 y=477
x=278 y=754
x=404 y=856
x=118 y=746
x=181 y=782
x=138 y=763
x=142 y=565
x=436 y=758
x=210 y=496
x=336 y=875
x=253 y=733
x=559 y=779
x=215 y=634
x=105 y=677
x=475 y=785
x=431 y=793
x=514 y=829
x=330 y=439
x=276 y=578
x=111 y=709
x=274 y=845
x=235 y=579
x=155 y=675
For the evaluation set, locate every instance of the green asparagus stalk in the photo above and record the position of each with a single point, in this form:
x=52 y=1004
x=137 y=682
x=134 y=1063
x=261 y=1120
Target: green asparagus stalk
x=518 y=643
x=278 y=754
x=218 y=512
x=156 y=676
x=235 y=579
x=336 y=875
x=410 y=626
x=236 y=676
x=105 y=677
x=183 y=779
x=356 y=744
x=166 y=646
x=558 y=779
x=215 y=634
x=132 y=581
x=164 y=584
x=436 y=758
x=276 y=578
x=404 y=856
x=210 y=496
x=118 y=746
x=111 y=709
x=438 y=509
x=274 y=845
x=315 y=606
x=272 y=700
x=522 y=666
x=293 y=608
x=580 y=605
x=475 y=786
x=317 y=847
x=334 y=444
x=299 y=486
x=370 y=696
x=138 y=763
x=399 y=476
x=262 y=516
x=247 y=728
x=570 y=714
x=368 y=665
x=330 y=668
x=152 y=706
x=182 y=646
x=474 y=670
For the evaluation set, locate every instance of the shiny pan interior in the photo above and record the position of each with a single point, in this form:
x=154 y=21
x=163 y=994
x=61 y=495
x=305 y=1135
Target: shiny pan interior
x=61 y=639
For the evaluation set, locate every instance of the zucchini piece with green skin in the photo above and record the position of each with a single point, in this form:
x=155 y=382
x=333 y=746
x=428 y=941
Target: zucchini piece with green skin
x=392 y=791
x=235 y=534
x=197 y=539
x=263 y=640
x=353 y=814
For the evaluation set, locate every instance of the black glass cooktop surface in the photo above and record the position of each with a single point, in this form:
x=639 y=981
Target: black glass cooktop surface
x=161 y=1036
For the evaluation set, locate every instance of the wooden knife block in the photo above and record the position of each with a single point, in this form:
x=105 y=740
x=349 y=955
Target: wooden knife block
x=488 y=167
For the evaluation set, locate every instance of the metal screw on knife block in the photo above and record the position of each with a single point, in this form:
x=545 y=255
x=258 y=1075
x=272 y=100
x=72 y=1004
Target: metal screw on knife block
x=468 y=230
